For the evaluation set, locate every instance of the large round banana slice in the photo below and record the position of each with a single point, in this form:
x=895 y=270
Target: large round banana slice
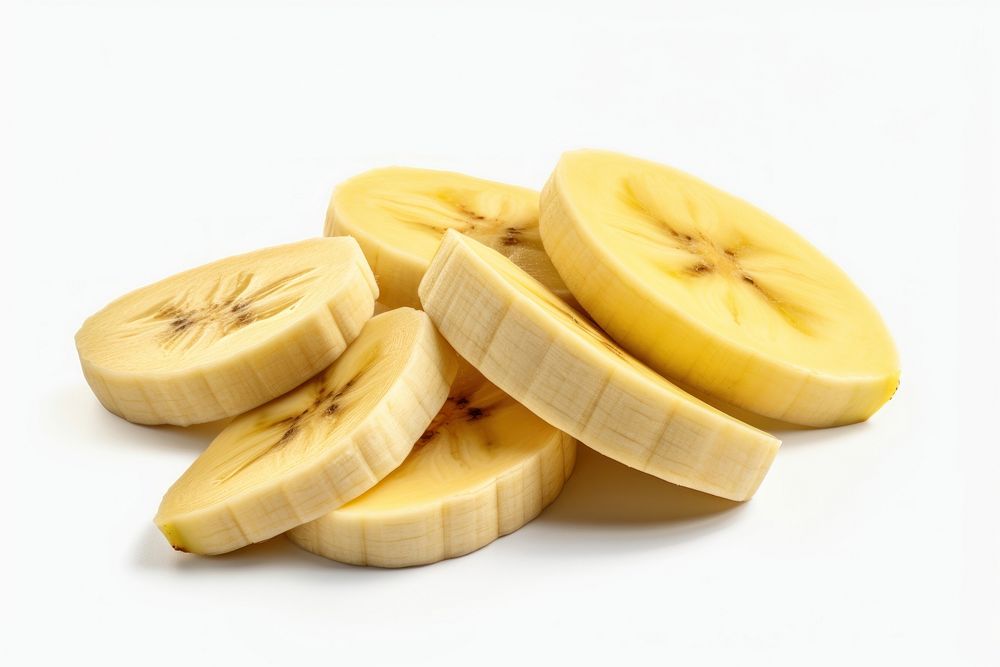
x=715 y=293
x=327 y=442
x=399 y=215
x=223 y=338
x=485 y=467
x=548 y=357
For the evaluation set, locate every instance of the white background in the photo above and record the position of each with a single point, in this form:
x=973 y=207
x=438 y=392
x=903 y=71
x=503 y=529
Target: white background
x=138 y=141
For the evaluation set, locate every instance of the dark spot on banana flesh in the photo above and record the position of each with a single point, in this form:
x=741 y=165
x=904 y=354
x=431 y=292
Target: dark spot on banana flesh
x=288 y=434
x=229 y=306
x=326 y=404
x=469 y=213
x=710 y=257
x=700 y=268
x=244 y=319
x=511 y=236
x=456 y=407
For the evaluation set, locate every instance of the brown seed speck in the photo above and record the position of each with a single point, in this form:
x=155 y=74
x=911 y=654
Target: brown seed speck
x=288 y=434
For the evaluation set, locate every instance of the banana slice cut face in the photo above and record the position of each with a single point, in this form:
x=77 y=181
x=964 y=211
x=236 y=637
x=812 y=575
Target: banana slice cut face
x=296 y=458
x=483 y=468
x=714 y=293
x=218 y=340
x=549 y=358
x=399 y=215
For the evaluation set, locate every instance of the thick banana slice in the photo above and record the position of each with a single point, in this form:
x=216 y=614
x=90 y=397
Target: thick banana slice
x=714 y=293
x=548 y=357
x=327 y=442
x=485 y=467
x=223 y=338
x=399 y=215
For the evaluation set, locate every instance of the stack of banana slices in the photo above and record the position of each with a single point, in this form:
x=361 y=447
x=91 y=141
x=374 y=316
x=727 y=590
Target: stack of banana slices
x=512 y=325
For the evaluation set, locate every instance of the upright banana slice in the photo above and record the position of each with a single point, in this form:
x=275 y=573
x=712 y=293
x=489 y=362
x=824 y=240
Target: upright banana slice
x=715 y=293
x=485 y=467
x=327 y=442
x=549 y=358
x=223 y=338
x=399 y=215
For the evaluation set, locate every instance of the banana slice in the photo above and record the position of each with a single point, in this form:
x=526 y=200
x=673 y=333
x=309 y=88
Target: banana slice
x=399 y=215
x=714 y=293
x=223 y=338
x=485 y=467
x=549 y=358
x=327 y=442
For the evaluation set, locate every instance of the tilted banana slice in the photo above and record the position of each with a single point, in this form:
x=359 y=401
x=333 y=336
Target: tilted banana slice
x=325 y=443
x=399 y=215
x=715 y=293
x=485 y=467
x=223 y=338
x=549 y=358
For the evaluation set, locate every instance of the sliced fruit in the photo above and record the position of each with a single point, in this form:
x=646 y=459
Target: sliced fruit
x=399 y=215
x=223 y=338
x=327 y=442
x=714 y=293
x=485 y=467
x=552 y=360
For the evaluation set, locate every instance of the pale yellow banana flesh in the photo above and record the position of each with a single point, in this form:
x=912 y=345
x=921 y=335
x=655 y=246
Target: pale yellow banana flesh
x=399 y=215
x=325 y=443
x=714 y=293
x=218 y=340
x=485 y=467
x=546 y=356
